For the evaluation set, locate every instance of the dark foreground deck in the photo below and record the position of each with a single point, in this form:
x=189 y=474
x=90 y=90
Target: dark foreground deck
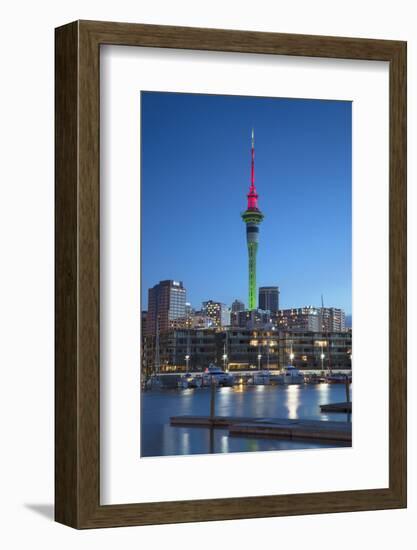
x=345 y=407
x=313 y=430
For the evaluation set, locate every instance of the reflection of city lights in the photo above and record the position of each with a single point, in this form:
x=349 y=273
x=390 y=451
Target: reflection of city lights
x=293 y=401
x=186 y=443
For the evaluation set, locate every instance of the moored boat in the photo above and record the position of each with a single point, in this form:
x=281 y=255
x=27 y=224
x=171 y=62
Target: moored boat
x=190 y=380
x=288 y=375
x=219 y=376
x=338 y=378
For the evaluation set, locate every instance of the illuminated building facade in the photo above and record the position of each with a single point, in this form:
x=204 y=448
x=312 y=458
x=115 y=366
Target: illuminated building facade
x=307 y=319
x=332 y=319
x=243 y=346
x=216 y=311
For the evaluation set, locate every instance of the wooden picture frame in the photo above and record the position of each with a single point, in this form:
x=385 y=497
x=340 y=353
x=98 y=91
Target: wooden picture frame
x=77 y=405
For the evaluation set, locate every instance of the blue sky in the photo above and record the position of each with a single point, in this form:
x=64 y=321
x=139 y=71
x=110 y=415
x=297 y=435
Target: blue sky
x=195 y=174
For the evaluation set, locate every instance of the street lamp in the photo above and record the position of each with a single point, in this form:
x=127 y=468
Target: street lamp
x=291 y=357
x=322 y=359
x=259 y=361
x=187 y=358
x=224 y=361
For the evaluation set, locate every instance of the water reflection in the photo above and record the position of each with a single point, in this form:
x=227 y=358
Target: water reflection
x=186 y=443
x=159 y=438
x=293 y=401
x=225 y=444
x=323 y=390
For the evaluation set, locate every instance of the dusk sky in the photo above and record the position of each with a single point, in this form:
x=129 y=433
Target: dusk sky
x=195 y=177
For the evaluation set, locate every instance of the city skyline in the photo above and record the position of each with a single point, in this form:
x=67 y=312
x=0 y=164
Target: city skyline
x=192 y=202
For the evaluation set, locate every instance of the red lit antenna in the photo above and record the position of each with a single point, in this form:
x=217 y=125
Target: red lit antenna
x=252 y=195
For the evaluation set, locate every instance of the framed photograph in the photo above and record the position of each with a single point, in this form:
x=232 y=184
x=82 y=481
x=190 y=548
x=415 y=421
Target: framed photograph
x=230 y=274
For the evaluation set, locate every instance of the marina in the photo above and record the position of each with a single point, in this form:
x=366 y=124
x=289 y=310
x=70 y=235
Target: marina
x=167 y=428
x=285 y=376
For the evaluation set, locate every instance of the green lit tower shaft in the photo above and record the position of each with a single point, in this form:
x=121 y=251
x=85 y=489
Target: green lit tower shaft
x=252 y=218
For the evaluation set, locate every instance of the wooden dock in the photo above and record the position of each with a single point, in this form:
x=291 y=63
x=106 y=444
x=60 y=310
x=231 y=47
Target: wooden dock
x=313 y=430
x=345 y=407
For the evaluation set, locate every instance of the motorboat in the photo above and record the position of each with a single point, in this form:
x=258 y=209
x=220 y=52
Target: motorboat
x=218 y=376
x=189 y=380
x=262 y=377
x=338 y=378
x=288 y=375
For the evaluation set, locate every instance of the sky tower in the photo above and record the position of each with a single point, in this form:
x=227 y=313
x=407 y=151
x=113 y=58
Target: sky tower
x=252 y=218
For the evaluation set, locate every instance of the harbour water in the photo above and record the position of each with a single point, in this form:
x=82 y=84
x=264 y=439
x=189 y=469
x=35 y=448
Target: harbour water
x=303 y=401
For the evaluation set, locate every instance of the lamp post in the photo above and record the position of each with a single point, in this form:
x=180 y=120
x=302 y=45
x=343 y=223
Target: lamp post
x=322 y=360
x=259 y=361
x=291 y=358
x=224 y=361
x=187 y=358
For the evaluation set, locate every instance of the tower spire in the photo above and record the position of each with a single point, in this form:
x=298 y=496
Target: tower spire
x=252 y=177
x=252 y=195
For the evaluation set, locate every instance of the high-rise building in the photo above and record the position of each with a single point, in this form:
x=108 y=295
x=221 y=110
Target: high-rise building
x=253 y=318
x=269 y=298
x=218 y=312
x=314 y=319
x=332 y=319
x=305 y=319
x=237 y=305
x=252 y=218
x=166 y=302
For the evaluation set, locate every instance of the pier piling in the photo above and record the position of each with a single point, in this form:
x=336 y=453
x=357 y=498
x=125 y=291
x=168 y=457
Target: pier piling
x=212 y=399
x=347 y=389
